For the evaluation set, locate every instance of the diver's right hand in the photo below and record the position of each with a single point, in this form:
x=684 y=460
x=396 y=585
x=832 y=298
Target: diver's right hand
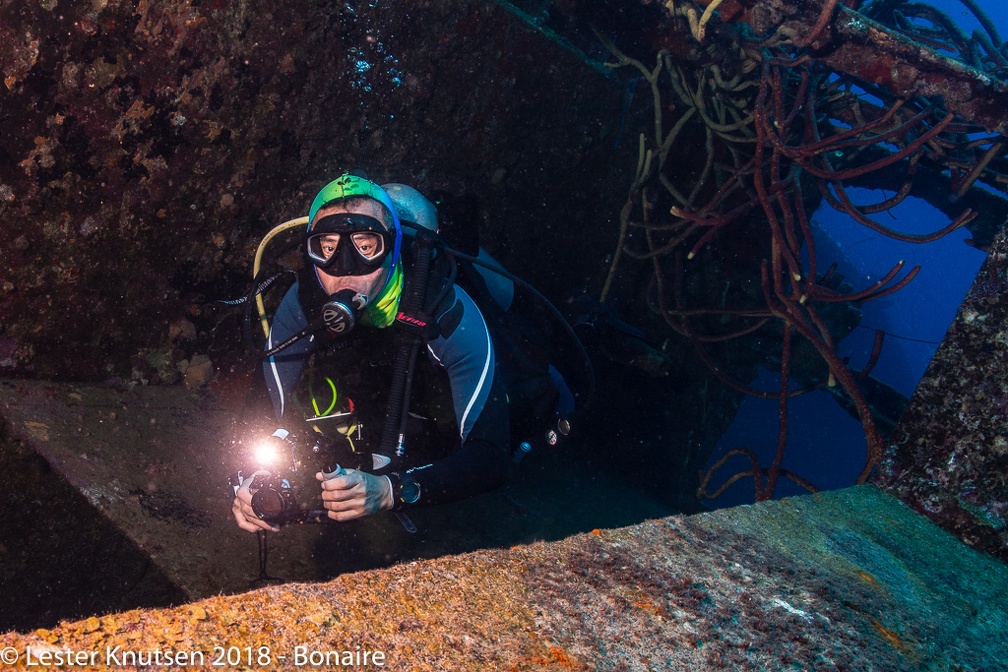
x=241 y=507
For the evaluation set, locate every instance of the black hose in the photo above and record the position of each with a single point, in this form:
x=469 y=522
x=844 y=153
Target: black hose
x=554 y=312
x=455 y=254
x=312 y=328
x=397 y=411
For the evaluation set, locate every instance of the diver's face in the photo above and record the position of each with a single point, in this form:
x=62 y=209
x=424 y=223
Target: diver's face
x=369 y=284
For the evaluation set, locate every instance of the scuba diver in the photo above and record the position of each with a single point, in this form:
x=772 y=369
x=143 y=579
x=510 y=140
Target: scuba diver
x=372 y=260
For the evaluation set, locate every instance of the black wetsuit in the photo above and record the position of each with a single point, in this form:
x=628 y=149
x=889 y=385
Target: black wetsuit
x=471 y=458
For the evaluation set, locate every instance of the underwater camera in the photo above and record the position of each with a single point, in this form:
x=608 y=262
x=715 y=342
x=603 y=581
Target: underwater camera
x=292 y=461
x=273 y=500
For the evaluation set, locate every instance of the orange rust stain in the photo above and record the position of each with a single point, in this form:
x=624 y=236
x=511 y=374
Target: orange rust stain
x=556 y=655
x=868 y=578
x=650 y=607
x=890 y=636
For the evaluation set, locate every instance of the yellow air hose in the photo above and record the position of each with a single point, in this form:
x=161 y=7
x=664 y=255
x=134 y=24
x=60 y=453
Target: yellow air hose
x=277 y=230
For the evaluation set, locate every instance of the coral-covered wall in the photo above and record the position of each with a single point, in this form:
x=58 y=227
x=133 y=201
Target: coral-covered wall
x=848 y=580
x=146 y=147
x=949 y=455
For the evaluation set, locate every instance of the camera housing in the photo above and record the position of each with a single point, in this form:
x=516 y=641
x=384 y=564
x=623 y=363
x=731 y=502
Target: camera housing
x=273 y=501
x=291 y=460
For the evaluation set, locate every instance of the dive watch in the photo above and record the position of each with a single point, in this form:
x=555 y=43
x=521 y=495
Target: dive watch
x=405 y=490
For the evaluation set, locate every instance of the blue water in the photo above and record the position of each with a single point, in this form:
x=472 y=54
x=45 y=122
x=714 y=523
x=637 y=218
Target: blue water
x=915 y=318
x=825 y=443
x=996 y=10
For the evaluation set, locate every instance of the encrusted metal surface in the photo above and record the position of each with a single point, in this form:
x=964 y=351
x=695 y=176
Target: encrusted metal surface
x=847 y=580
x=949 y=455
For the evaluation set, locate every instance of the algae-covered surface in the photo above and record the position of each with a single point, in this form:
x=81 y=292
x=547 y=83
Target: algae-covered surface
x=116 y=497
x=851 y=580
x=948 y=457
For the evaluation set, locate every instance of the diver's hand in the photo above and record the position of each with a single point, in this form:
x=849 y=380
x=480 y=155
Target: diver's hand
x=350 y=494
x=241 y=507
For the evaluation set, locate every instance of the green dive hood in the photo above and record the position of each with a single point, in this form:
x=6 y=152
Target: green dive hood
x=352 y=186
x=349 y=186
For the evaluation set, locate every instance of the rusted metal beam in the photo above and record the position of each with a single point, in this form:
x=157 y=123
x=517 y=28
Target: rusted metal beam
x=855 y=45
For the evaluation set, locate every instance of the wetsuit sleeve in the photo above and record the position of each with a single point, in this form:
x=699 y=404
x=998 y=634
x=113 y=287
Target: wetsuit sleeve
x=282 y=370
x=465 y=350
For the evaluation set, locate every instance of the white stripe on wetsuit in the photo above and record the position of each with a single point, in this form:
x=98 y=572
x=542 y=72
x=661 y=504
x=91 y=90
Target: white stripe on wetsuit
x=483 y=373
x=276 y=374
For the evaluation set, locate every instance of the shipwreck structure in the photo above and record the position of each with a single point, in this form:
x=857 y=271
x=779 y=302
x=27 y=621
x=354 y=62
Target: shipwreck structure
x=674 y=151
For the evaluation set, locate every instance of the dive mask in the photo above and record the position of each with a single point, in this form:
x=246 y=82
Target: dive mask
x=348 y=244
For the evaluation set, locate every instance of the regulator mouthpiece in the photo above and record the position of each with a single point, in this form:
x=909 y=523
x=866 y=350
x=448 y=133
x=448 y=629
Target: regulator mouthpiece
x=341 y=312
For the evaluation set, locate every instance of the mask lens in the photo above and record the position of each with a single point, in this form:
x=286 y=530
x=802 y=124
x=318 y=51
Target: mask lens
x=322 y=247
x=369 y=245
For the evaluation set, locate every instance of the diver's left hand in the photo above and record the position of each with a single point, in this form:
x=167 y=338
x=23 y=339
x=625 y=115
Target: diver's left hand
x=352 y=494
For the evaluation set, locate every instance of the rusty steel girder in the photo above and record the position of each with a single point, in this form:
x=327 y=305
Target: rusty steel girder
x=851 y=43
